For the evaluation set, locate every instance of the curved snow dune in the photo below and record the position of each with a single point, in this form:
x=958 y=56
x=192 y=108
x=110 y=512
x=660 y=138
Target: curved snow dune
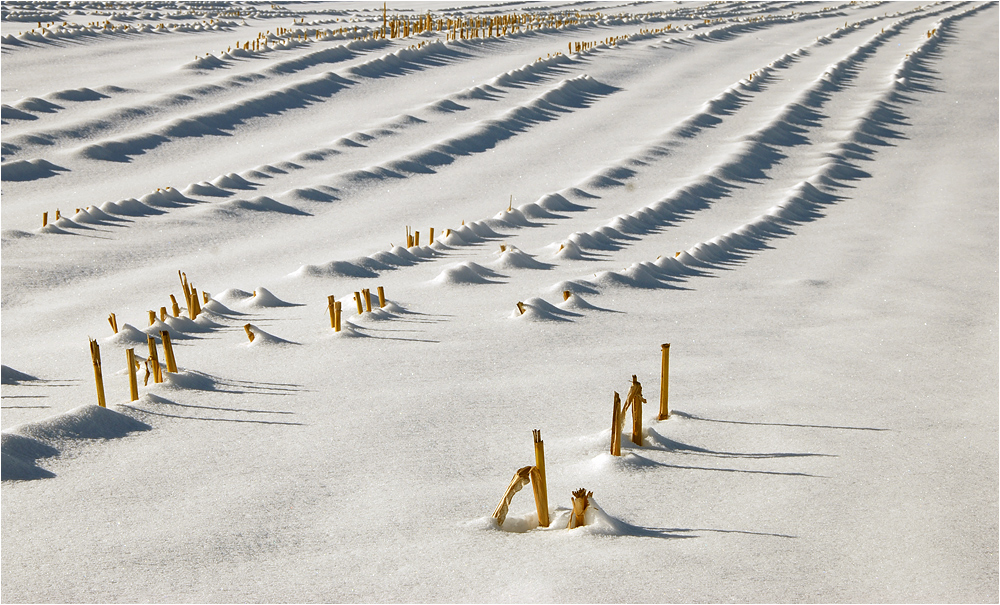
x=576 y=93
x=220 y=121
x=760 y=349
x=238 y=111
x=803 y=203
x=110 y=120
x=23 y=445
x=756 y=156
x=82 y=33
x=757 y=153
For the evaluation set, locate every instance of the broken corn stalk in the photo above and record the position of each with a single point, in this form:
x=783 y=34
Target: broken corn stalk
x=154 y=361
x=664 y=381
x=541 y=489
x=133 y=385
x=95 y=357
x=168 y=351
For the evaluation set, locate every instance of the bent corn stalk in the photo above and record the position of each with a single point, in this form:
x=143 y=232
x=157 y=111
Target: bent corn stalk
x=521 y=478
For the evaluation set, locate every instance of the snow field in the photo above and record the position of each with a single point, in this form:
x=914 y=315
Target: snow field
x=786 y=193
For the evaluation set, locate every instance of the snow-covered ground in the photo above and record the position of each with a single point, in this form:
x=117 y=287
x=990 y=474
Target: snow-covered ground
x=801 y=198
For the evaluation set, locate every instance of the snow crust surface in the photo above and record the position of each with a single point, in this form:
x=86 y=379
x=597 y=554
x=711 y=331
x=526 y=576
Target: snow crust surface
x=801 y=199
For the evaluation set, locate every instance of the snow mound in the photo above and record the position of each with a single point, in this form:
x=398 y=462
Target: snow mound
x=337 y=268
x=130 y=207
x=568 y=250
x=9 y=375
x=510 y=257
x=185 y=324
x=128 y=336
x=190 y=379
x=576 y=287
x=261 y=298
x=556 y=202
x=206 y=189
x=215 y=307
x=18 y=455
x=467 y=273
x=29 y=170
x=537 y=309
x=84 y=422
x=23 y=444
x=257 y=204
x=264 y=339
x=515 y=218
x=578 y=303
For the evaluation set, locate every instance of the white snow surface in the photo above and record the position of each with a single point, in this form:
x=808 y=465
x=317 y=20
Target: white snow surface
x=801 y=198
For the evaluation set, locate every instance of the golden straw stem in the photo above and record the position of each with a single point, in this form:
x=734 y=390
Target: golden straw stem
x=635 y=394
x=154 y=361
x=168 y=351
x=133 y=385
x=616 y=427
x=95 y=357
x=664 y=382
x=194 y=301
x=541 y=492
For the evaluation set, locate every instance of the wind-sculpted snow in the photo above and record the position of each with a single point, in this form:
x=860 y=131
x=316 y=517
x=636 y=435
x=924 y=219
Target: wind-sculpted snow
x=803 y=203
x=367 y=248
x=24 y=444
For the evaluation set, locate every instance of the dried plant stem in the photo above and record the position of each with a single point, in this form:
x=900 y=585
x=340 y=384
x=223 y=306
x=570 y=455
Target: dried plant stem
x=541 y=489
x=616 y=427
x=636 y=399
x=133 y=385
x=95 y=357
x=521 y=478
x=581 y=500
x=168 y=351
x=154 y=361
x=664 y=382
